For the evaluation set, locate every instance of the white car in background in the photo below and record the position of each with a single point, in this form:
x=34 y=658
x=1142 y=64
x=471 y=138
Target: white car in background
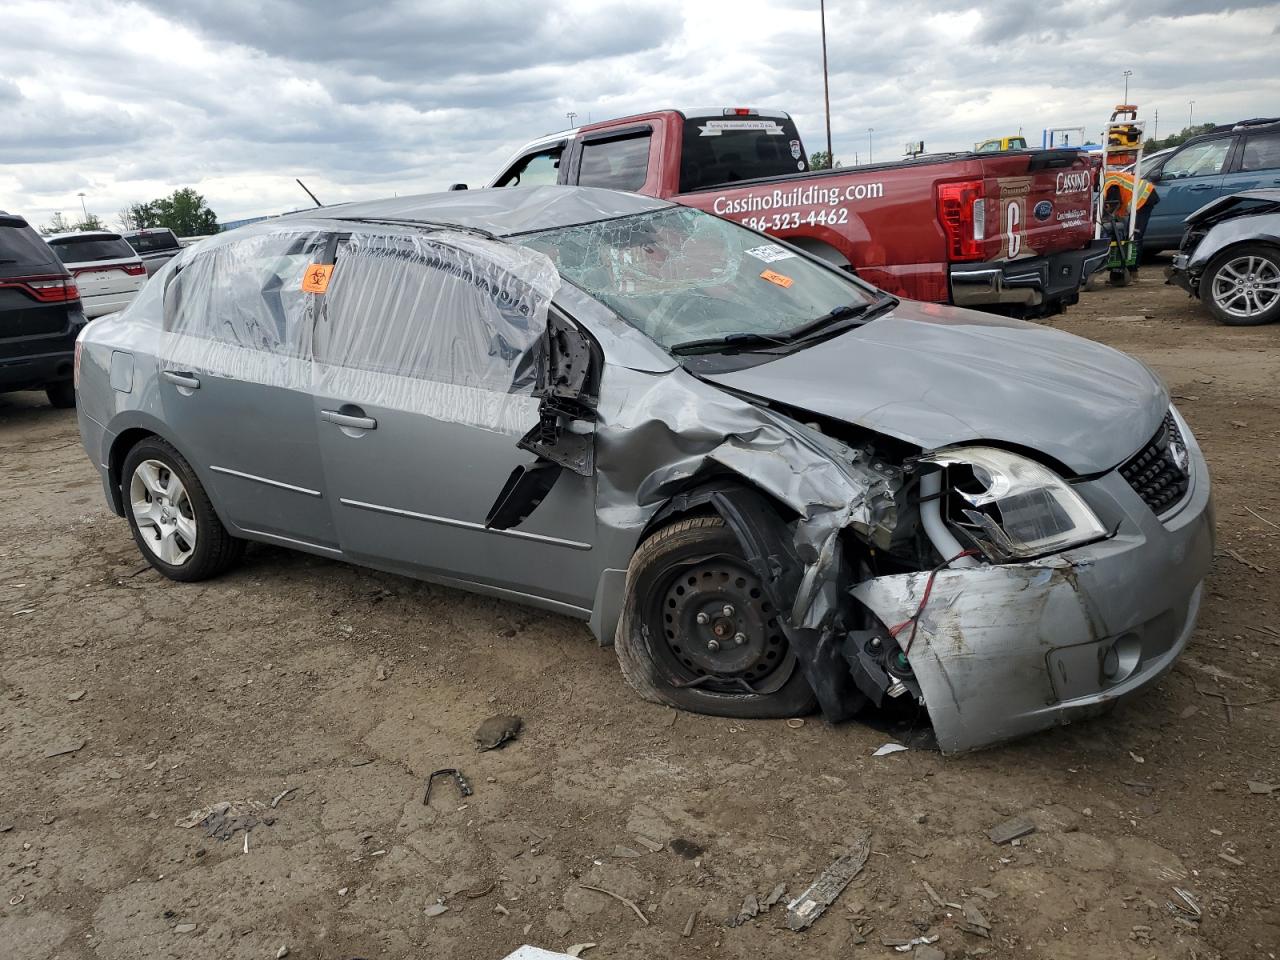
x=107 y=270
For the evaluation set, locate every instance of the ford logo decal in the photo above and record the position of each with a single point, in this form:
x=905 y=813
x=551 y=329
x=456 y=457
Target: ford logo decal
x=1043 y=210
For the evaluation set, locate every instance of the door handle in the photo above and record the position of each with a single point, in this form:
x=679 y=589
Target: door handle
x=347 y=420
x=181 y=379
x=1200 y=186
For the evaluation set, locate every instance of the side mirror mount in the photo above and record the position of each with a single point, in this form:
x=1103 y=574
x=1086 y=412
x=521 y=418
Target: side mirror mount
x=457 y=186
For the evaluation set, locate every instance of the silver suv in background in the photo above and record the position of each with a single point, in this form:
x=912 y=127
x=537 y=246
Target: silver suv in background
x=155 y=245
x=106 y=269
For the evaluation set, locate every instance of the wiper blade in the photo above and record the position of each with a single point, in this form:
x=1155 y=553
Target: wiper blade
x=730 y=341
x=848 y=311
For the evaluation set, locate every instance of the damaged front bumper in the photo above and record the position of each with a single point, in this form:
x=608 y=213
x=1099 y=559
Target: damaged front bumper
x=1006 y=650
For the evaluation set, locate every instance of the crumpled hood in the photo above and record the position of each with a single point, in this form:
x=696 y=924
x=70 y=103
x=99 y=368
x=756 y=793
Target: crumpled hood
x=935 y=376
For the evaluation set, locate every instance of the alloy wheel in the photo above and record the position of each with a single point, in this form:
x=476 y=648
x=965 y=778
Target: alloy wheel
x=1246 y=286
x=162 y=511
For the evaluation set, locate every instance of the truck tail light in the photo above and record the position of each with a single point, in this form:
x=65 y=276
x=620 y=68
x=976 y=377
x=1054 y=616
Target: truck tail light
x=44 y=289
x=963 y=218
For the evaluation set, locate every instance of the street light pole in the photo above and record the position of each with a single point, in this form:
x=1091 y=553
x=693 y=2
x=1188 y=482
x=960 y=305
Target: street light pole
x=1191 y=114
x=826 y=88
x=1127 y=75
x=570 y=117
x=870 y=130
x=83 y=208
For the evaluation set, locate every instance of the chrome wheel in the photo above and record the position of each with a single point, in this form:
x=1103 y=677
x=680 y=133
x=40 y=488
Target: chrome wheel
x=162 y=511
x=1247 y=286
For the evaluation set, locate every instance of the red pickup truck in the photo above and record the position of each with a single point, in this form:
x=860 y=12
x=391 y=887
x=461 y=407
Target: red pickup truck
x=1010 y=232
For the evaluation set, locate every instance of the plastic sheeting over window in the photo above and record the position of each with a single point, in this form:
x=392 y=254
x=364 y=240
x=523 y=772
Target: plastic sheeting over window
x=446 y=324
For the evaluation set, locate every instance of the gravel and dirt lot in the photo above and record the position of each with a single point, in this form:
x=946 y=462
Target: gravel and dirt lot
x=351 y=686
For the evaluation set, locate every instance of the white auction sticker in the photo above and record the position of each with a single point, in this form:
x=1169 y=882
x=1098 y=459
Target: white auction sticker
x=770 y=253
x=713 y=128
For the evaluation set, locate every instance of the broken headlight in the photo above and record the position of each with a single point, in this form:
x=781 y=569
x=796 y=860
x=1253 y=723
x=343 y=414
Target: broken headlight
x=1011 y=507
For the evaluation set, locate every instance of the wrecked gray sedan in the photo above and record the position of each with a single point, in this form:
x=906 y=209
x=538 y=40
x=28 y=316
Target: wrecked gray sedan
x=770 y=486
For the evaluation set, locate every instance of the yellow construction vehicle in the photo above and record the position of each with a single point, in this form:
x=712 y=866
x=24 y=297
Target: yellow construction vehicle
x=1000 y=144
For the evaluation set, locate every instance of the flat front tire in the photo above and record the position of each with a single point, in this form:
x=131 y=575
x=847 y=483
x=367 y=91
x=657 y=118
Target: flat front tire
x=172 y=519
x=698 y=632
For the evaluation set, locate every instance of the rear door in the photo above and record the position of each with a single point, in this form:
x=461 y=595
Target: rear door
x=235 y=378
x=1256 y=164
x=1190 y=178
x=424 y=386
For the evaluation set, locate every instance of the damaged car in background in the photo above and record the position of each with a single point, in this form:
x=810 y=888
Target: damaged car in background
x=1230 y=258
x=772 y=487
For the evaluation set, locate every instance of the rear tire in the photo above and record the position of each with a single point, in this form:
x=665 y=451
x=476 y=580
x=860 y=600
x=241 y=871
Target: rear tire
x=171 y=516
x=695 y=568
x=61 y=394
x=1225 y=286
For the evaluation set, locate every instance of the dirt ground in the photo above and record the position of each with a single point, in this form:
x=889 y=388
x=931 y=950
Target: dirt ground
x=350 y=686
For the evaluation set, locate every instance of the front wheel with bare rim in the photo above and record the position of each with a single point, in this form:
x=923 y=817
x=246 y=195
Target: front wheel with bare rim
x=172 y=520
x=698 y=631
x=1241 y=287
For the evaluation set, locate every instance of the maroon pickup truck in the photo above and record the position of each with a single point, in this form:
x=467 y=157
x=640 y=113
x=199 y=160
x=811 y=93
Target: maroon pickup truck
x=1010 y=232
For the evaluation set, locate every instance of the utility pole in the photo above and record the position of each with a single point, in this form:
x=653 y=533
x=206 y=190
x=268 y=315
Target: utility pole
x=1155 y=125
x=870 y=130
x=1127 y=75
x=1191 y=113
x=826 y=89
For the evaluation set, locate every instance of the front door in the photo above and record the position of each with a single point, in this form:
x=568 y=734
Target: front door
x=235 y=384
x=424 y=383
x=1190 y=179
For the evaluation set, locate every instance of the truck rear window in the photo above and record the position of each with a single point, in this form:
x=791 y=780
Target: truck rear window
x=721 y=149
x=151 y=242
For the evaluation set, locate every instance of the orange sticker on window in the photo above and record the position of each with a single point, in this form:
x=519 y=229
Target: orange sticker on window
x=777 y=278
x=316 y=279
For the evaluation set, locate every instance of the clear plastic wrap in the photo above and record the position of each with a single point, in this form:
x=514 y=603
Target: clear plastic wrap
x=445 y=323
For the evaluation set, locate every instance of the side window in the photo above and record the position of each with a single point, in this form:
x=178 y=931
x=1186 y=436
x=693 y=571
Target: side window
x=1199 y=160
x=247 y=294
x=1261 y=152
x=621 y=164
x=416 y=308
x=534 y=170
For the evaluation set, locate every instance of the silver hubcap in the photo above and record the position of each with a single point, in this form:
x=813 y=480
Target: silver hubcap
x=1247 y=286
x=162 y=510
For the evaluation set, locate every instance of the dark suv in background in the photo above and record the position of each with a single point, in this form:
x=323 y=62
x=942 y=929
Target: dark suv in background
x=155 y=245
x=40 y=315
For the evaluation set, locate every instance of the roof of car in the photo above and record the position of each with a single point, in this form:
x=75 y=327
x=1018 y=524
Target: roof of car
x=503 y=211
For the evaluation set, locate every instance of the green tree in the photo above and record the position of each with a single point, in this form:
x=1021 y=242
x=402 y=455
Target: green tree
x=1175 y=139
x=91 y=221
x=136 y=216
x=57 y=224
x=820 y=160
x=184 y=212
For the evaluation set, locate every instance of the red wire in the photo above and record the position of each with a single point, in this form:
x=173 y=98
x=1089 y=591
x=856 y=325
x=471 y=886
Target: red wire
x=914 y=619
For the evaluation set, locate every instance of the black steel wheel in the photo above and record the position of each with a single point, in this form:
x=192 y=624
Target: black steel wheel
x=698 y=631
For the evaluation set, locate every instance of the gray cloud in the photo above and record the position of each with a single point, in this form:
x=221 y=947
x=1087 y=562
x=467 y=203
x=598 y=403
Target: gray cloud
x=238 y=97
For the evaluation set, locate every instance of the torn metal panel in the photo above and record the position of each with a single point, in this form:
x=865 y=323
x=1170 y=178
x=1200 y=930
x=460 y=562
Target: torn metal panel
x=810 y=905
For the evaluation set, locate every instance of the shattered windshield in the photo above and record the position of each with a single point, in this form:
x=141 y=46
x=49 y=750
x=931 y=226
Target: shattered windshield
x=682 y=276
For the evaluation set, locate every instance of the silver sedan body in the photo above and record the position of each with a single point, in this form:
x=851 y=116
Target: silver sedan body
x=520 y=437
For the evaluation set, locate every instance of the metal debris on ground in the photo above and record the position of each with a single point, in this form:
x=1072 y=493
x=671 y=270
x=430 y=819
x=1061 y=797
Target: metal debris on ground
x=653 y=846
x=774 y=896
x=461 y=782
x=820 y=894
x=620 y=898
x=1188 y=909
x=1234 y=861
x=904 y=945
x=496 y=731
x=578 y=949
x=1011 y=830
x=275 y=801
x=224 y=819
x=974 y=921
x=889 y=748
x=527 y=952
x=749 y=909
x=62 y=749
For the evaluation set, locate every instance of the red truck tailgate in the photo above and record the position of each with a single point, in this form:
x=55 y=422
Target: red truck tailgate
x=1036 y=203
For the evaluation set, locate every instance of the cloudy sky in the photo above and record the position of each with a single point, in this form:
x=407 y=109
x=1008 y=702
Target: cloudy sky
x=126 y=101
